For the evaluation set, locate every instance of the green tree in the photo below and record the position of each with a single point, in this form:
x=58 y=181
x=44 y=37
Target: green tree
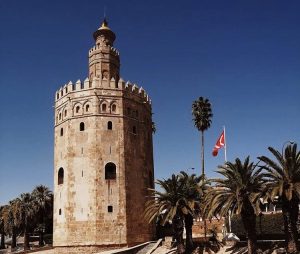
x=170 y=205
x=284 y=181
x=239 y=192
x=42 y=208
x=202 y=113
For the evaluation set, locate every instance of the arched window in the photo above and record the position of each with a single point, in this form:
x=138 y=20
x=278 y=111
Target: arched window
x=61 y=131
x=57 y=96
x=103 y=107
x=87 y=107
x=81 y=126
x=134 y=129
x=113 y=108
x=110 y=171
x=66 y=90
x=77 y=109
x=109 y=125
x=60 y=176
x=65 y=112
x=61 y=93
x=59 y=211
x=59 y=116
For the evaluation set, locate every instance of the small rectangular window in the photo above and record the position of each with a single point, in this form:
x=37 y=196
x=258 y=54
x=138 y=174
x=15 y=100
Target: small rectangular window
x=110 y=208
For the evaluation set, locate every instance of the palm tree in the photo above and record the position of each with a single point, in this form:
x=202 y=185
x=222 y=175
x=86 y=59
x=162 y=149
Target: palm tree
x=42 y=206
x=2 y=232
x=26 y=215
x=10 y=221
x=194 y=189
x=170 y=205
x=201 y=110
x=284 y=181
x=239 y=191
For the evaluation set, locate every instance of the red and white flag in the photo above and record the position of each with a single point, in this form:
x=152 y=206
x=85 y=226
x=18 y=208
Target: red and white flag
x=220 y=143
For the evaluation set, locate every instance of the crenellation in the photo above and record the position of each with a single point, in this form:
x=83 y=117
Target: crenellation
x=113 y=83
x=86 y=83
x=121 y=84
x=142 y=92
x=78 y=85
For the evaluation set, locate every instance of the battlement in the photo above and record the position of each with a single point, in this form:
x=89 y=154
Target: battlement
x=97 y=47
x=101 y=83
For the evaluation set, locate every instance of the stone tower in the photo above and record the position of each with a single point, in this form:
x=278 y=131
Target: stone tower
x=103 y=156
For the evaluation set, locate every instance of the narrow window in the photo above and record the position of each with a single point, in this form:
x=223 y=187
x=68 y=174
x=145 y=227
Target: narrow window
x=59 y=117
x=129 y=111
x=57 y=96
x=110 y=208
x=66 y=89
x=109 y=125
x=59 y=211
x=61 y=93
x=134 y=129
x=60 y=176
x=113 y=108
x=77 y=109
x=110 y=171
x=65 y=112
x=87 y=107
x=82 y=173
x=61 y=132
x=81 y=126
x=103 y=107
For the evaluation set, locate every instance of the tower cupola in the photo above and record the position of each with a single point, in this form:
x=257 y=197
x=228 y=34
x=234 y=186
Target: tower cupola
x=104 y=34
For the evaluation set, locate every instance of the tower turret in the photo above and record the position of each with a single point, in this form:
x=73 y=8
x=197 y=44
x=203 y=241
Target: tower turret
x=104 y=60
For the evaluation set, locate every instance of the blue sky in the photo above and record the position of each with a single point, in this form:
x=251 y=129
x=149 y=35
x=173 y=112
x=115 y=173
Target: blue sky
x=242 y=55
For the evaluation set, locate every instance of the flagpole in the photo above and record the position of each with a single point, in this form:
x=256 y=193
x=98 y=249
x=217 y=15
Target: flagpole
x=225 y=154
x=225 y=142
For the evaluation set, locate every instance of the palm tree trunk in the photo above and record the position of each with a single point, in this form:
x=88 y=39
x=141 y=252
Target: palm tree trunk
x=202 y=153
x=290 y=212
x=188 y=221
x=41 y=238
x=249 y=222
x=2 y=244
x=178 y=233
x=203 y=175
x=14 y=239
x=26 y=239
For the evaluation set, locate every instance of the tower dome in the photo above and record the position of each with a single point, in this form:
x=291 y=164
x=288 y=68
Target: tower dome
x=104 y=32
